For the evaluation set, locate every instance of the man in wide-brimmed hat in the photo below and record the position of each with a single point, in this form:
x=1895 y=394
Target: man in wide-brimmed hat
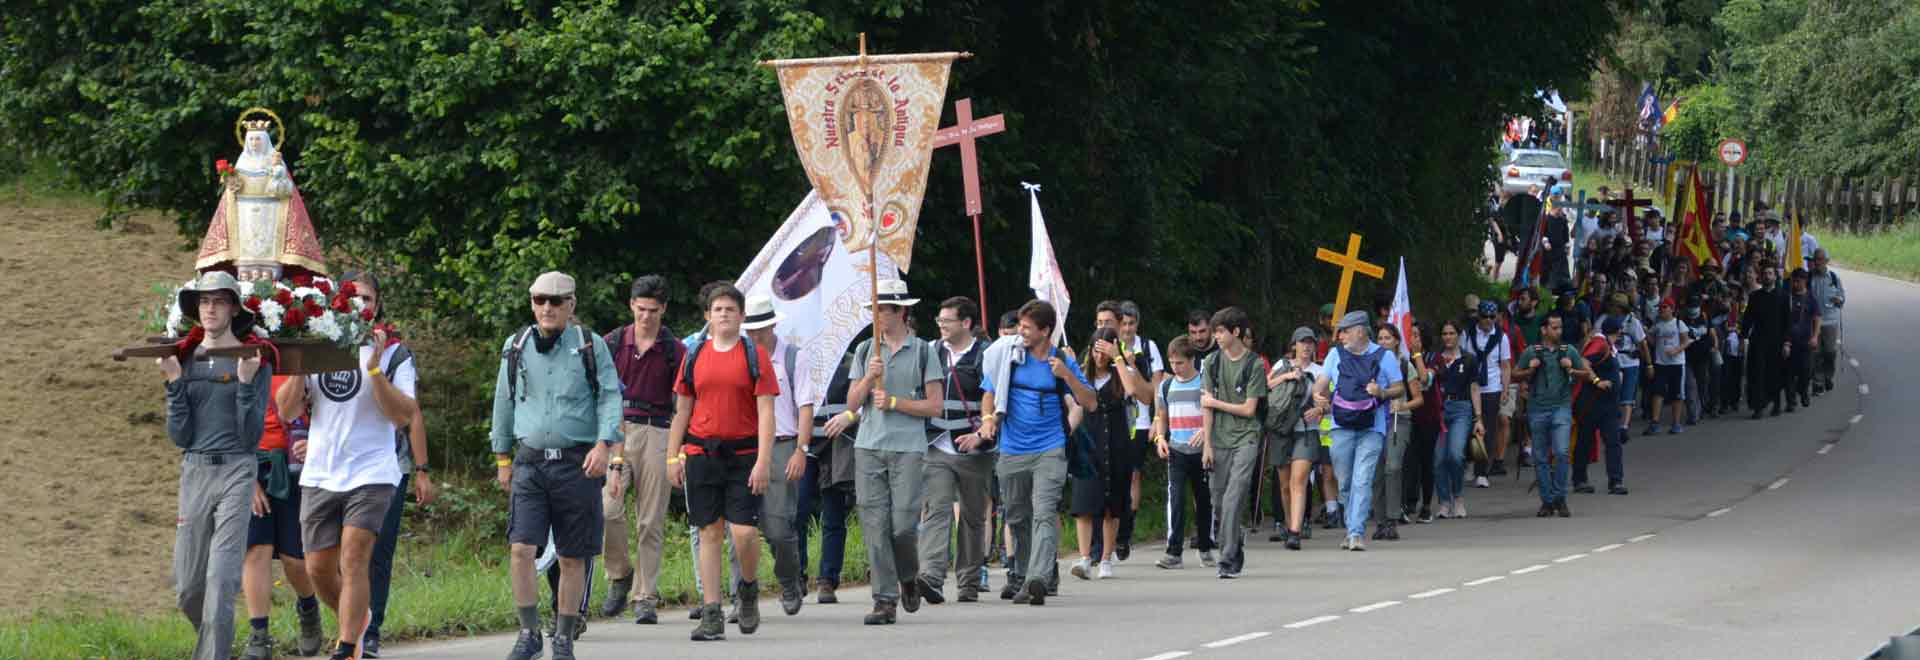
x=792 y=443
x=216 y=410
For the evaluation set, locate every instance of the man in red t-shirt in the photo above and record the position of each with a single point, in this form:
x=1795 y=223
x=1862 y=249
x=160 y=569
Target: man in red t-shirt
x=718 y=450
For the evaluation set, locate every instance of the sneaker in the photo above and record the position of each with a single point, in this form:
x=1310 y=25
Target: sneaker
x=1012 y=590
x=259 y=646
x=986 y=582
x=563 y=644
x=696 y=612
x=370 y=645
x=1106 y=570
x=1481 y=482
x=713 y=626
x=1652 y=429
x=824 y=593
x=1426 y=517
x=733 y=613
x=1805 y=402
x=1035 y=593
x=527 y=646
x=926 y=589
x=311 y=636
x=1546 y=510
x=883 y=614
x=1561 y=509
x=1446 y=510
x=1459 y=510
x=1617 y=489
x=1080 y=568
x=1380 y=530
x=1584 y=489
x=644 y=613
x=1392 y=531
x=1347 y=544
x=1499 y=469
x=1225 y=574
x=616 y=601
x=1169 y=562
x=1355 y=544
x=1335 y=519
x=969 y=593
x=1279 y=534
x=1293 y=541
x=1207 y=559
x=749 y=608
x=1122 y=549
x=1673 y=430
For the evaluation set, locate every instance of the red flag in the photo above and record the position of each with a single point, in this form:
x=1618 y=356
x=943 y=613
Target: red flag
x=1695 y=237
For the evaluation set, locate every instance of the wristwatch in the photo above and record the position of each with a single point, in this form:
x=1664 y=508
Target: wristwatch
x=421 y=468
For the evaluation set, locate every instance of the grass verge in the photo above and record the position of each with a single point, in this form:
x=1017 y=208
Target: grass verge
x=1893 y=251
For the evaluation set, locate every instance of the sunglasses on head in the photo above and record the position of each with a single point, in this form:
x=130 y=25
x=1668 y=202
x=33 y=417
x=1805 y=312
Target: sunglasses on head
x=551 y=301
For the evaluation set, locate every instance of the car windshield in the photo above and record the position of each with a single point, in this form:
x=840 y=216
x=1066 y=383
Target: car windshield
x=1539 y=160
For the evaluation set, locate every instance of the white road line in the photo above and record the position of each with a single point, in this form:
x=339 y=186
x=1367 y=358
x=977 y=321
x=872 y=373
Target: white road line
x=1863 y=388
x=1856 y=419
x=1312 y=622
x=1854 y=361
x=1431 y=593
x=1170 y=655
x=1719 y=512
x=1607 y=548
x=1530 y=569
x=1778 y=484
x=1568 y=558
x=1641 y=537
x=1363 y=609
x=1825 y=448
x=1486 y=580
x=1230 y=641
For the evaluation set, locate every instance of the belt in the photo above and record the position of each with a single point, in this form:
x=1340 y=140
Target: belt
x=656 y=421
x=575 y=453
x=217 y=459
x=785 y=438
x=696 y=446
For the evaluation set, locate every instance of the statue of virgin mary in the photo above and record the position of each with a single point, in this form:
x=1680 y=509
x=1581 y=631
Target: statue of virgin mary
x=260 y=229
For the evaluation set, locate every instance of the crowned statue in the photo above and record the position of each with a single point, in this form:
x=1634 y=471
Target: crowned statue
x=260 y=229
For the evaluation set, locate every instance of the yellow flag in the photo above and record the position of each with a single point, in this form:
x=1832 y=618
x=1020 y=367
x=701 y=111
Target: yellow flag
x=864 y=128
x=1795 y=260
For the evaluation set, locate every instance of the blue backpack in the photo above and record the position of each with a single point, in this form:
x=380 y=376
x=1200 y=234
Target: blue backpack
x=1353 y=408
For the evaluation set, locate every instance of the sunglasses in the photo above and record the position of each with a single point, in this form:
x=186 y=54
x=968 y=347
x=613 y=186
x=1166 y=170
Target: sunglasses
x=551 y=301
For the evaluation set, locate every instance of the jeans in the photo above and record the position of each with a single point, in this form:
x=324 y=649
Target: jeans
x=1552 y=428
x=380 y=566
x=1184 y=476
x=1449 y=464
x=1355 y=454
x=831 y=506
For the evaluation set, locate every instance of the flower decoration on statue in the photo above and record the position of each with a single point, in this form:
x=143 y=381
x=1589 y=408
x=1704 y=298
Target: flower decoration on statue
x=298 y=308
x=224 y=169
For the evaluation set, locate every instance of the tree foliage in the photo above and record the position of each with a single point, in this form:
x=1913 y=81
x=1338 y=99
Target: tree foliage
x=1193 y=153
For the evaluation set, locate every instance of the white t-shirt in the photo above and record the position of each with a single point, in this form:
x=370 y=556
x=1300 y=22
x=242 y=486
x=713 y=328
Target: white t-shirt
x=1667 y=336
x=1501 y=351
x=1657 y=234
x=785 y=413
x=1627 y=349
x=349 y=442
x=1143 y=413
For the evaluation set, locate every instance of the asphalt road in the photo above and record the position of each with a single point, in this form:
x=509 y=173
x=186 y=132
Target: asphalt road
x=1785 y=538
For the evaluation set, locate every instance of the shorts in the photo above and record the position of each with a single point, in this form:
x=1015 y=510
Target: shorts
x=1667 y=380
x=555 y=499
x=717 y=488
x=1285 y=448
x=280 y=528
x=1629 y=389
x=1511 y=403
x=323 y=513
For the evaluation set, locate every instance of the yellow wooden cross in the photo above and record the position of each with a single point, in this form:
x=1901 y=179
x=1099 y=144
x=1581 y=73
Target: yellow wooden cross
x=1348 y=263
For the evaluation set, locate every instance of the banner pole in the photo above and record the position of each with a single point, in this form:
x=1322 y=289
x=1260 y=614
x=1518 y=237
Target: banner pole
x=873 y=246
x=980 y=267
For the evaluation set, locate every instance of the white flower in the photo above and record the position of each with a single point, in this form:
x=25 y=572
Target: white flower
x=271 y=314
x=302 y=293
x=246 y=289
x=326 y=326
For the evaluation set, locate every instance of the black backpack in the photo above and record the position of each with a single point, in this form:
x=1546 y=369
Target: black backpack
x=518 y=346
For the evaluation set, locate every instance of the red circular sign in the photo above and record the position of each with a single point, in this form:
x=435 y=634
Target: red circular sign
x=1733 y=151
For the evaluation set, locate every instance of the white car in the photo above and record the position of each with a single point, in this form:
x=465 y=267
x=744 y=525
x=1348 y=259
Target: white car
x=1531 y=167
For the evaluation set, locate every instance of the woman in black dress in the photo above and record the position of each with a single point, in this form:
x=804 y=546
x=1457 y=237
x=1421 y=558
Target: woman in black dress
x=1117 y=382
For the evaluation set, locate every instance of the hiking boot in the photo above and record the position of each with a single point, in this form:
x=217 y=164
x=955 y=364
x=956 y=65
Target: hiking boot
x=1546 y=510
x=1169 y=562
x=969 y=593
x=1035 y=593
x=910 y=595
x=713 y=625
x=259 y=646
x=882 y=615
x=616 y=601
x=748 y=608
x=925 y=588
x=791 y=597
x=565 y=631
x=644 y=613
x=823 y=593
x=1012 y=589
x=308 y=644
x=527 y=646
x=1561 y=508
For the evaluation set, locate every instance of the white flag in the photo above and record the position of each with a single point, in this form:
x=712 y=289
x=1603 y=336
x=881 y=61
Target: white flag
x=1043 y=271
x=819 y=287
x=1401 y=314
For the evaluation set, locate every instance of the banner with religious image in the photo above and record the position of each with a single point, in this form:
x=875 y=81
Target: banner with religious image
x=820 y=288
x=864 y=125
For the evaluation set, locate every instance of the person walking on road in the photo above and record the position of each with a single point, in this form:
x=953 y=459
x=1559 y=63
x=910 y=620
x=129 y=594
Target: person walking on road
x=1832 y=297
x=1456 y=370
x=645 y=355
x=1233 y=384
x=1803 y=339
x=1296 y=446
x=1361 y=377
x=216 y=412
x=1101 y=499
x=1027 y=383
x=1387 y=482
x=1550 y=367
x=1176 y=438
x=792 y=441
x=959 y=470
x=1764 y=322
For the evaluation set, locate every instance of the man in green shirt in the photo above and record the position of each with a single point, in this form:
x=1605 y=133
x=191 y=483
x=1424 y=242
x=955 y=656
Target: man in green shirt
x=565 y=416
x=1550 y=367
x=1233 y=385
x=896 y=387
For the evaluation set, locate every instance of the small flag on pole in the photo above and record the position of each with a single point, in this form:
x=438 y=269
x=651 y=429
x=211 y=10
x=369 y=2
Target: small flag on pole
x=1400 y=315
x=1043 y=270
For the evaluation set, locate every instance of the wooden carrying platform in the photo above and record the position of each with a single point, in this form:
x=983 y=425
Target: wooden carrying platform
x=297 y=356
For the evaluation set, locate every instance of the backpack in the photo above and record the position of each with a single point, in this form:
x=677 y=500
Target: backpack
x=700 y=341
x=1284 y=401
x=515 y=349
x=401 y=439
x=1352 y=406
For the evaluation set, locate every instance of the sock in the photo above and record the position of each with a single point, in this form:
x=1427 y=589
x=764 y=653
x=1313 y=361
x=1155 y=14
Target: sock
x=308 y=603
x=258 y=623
x=344 y=650
x=530 y=617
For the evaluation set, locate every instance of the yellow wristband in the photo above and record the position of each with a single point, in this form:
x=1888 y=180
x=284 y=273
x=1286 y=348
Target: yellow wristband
x=673 y=461
x=618 y=460
x=502 y=462
x=852 y=416
x=893 y=403
x=373 y=371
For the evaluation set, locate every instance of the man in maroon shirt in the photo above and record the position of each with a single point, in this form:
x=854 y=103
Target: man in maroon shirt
x=646 y=355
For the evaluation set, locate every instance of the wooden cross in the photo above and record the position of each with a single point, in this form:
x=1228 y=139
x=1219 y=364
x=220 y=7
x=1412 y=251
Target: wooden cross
x=1348 y=263
x=1626 y=206
x=1583 y=206
x=964 y=131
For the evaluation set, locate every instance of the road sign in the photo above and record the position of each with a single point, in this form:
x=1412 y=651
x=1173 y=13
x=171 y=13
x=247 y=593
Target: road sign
x=1733 y=151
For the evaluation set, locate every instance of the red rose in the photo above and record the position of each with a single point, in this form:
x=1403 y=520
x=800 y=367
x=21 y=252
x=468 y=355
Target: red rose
x=313 y=309
x=366 y=315
x=294 y=320
x=284 y=297
x=349 y=290
x=343 y=305
x=325 y=288
x=302 y=280
x=222 y=167
x=253 y=304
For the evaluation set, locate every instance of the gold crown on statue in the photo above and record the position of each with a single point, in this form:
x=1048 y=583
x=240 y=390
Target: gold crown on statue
x=258 y=124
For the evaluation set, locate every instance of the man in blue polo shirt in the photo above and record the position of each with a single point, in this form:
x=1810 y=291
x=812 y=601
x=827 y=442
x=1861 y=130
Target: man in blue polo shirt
x=1025 y=385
